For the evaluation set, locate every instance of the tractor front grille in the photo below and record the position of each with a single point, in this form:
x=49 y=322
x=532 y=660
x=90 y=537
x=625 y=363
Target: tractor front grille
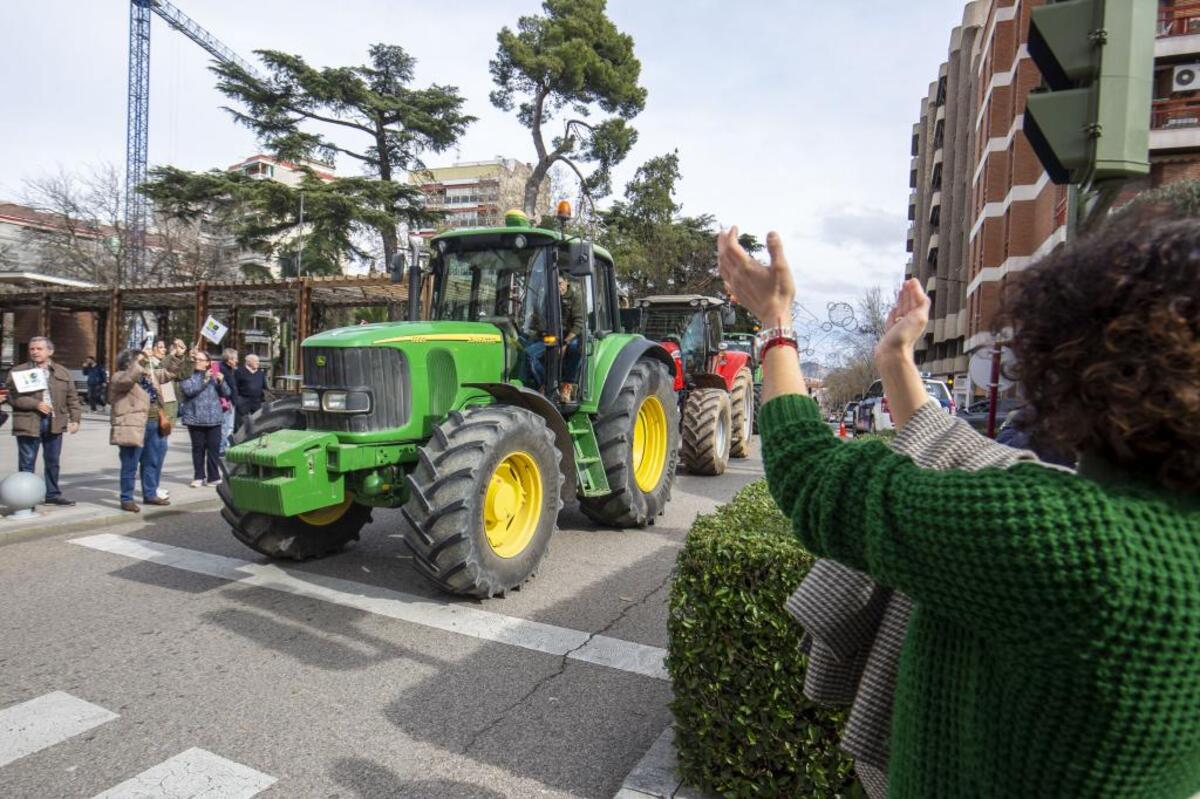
x=381 y=370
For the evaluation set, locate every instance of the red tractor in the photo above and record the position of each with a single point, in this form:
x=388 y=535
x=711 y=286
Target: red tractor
x=715 y=383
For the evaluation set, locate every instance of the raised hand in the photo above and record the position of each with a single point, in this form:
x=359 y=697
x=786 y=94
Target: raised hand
x=765 y=291
x=906 y=322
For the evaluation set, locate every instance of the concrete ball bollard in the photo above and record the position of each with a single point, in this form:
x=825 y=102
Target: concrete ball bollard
x=21 y=492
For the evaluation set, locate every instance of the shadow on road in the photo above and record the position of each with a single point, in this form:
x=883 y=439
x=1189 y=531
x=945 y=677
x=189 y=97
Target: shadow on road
x=369 y=780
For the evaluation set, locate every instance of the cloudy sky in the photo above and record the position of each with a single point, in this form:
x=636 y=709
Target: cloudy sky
x=790 y=115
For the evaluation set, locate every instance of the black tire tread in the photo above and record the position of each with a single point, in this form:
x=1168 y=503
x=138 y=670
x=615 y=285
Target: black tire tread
x=627 y=505
x=446 y=542
x=701 y=416
x=743 y=381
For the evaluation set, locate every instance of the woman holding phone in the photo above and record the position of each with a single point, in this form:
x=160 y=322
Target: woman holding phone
x=201 y=414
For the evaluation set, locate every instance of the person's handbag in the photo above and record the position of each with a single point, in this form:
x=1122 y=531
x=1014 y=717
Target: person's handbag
x=164 y=423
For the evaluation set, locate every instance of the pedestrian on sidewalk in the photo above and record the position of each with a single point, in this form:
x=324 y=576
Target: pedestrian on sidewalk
x=251 y=386
x=200 y=411
x=171 y=361
x=1054 y=647
x=229 y=365
x=137 y=430
x=97 y=383
x=41 y=416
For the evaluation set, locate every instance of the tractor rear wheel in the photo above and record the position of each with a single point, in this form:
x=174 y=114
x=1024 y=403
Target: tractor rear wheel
x=639 y=447
x=757 y=403
x=707 y=425
x=484 y=500
x=308 y=535
x=742 y=407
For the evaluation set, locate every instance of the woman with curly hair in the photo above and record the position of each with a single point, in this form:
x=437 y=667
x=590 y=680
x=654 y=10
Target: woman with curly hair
x=1054 y=643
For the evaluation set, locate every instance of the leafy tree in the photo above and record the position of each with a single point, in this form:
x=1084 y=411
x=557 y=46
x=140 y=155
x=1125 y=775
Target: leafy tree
x=296 y=110
x=657 y=249
x=262 y=214
x=571 y=59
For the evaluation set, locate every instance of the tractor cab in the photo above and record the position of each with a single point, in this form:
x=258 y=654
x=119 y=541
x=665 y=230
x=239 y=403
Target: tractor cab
x=690 y=327
x=551 y=298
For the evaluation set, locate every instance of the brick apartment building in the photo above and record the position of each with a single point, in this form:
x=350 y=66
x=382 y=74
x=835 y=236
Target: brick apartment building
x=981 y=206
x=477 y=193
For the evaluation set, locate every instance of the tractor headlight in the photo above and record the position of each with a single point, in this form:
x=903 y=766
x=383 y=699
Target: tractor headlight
x=310 y=400
x=346 y=401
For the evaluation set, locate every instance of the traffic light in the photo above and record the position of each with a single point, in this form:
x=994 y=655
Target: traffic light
x=1092 y=122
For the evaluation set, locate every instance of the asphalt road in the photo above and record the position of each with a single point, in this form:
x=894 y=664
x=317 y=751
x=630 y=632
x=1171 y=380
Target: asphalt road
x=145 y=668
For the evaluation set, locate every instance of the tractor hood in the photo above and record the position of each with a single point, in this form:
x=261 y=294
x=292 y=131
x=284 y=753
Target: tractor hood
x=401 y=333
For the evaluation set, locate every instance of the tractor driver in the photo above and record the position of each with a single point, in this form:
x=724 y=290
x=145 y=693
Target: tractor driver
x=573 y=319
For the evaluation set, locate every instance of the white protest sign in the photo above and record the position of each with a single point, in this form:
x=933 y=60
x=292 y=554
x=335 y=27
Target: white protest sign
x=28 y=380
x=213 y=330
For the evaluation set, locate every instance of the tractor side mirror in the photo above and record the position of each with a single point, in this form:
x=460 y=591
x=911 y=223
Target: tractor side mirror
x=581 y=259
x=722 y=346
x=728 y=316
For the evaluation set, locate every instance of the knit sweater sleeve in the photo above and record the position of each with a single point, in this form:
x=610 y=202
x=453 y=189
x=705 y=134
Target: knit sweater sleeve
x=1025 y=552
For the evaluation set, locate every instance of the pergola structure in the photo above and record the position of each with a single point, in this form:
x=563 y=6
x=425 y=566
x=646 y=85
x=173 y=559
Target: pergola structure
x=304 y=297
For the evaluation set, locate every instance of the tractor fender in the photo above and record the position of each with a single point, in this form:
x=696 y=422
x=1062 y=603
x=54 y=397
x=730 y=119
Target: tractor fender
x=623 y=365
x=729 y=364
x=708 y=381
x=536 y=403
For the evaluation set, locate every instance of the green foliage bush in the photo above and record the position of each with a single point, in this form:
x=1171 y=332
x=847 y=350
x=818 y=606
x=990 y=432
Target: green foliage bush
x=743 y=726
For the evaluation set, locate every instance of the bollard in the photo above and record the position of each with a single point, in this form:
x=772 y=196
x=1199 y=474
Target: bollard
x=21 y=492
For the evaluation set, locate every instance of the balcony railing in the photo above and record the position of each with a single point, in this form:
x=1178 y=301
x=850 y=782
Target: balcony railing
x=1172 y=114
x=1181 y=18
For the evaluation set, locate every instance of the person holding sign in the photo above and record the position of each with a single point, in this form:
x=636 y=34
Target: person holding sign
x=200 y=412
x=45 y=403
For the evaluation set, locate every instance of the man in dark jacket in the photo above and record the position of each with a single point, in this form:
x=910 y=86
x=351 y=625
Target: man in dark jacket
x=97 y=380
x=249 y=387
x=41 y=415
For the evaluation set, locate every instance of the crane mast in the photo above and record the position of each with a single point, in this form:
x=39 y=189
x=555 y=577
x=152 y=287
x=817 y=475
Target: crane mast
x=137 y=130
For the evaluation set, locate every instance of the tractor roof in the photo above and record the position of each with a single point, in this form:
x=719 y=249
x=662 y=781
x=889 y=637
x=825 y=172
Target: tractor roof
x=528 y=230
x=681 y=300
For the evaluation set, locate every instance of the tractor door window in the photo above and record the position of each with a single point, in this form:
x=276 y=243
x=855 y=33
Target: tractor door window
x=598 y=313
x=532 y=319
x=714 y=330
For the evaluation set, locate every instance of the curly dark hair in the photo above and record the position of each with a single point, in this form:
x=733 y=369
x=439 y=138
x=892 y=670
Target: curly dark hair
x=1106 y=333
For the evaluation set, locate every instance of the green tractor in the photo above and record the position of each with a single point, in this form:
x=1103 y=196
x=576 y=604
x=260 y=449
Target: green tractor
x=477 y=423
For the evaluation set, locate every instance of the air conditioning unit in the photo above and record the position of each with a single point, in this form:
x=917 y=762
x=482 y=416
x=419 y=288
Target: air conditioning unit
x=1186 y=78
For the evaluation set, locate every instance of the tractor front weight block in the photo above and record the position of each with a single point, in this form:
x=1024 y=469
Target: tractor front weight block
x=287 y=472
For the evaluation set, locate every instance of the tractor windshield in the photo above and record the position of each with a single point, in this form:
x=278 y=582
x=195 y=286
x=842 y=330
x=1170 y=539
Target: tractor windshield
x=485 y=285
x=683 y=325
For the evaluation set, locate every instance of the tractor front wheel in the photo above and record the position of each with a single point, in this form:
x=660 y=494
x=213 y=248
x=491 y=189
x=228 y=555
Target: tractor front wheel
x=707 y=424
x=639 y=444
x=742 y=408
x=309 y=535
x=484 y=500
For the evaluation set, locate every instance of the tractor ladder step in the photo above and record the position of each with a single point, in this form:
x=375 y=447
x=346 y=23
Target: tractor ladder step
x=589 y=467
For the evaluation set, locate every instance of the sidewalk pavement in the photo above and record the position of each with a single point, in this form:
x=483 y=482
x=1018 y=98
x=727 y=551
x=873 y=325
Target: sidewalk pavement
x=90 y=474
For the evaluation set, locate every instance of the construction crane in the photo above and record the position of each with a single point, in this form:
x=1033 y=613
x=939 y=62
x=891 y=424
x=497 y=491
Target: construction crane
x=137 y=132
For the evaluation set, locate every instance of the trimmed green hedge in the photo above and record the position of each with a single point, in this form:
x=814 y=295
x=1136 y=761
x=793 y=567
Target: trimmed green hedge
x=743 y=727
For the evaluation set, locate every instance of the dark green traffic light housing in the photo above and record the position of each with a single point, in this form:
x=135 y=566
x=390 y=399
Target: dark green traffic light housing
x=1091 y=123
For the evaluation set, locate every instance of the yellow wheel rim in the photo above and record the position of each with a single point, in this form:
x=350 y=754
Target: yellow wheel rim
x=322 y=517
x=512 y=506
x=649 y=444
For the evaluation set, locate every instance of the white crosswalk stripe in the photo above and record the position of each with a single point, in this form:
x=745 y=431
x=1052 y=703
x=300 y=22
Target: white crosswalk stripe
x=601 y=650
x=40 y=723
x=45 y=721
x=194 y=774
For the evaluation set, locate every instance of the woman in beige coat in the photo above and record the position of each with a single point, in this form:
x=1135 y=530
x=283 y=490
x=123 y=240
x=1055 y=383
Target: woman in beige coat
x=134 y=401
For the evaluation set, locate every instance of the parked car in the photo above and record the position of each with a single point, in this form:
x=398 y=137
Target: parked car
x=976 y=414
x=873 y=412
x=849 y=414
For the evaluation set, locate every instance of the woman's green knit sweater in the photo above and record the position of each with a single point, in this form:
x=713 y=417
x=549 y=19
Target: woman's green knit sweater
x=1055 y=648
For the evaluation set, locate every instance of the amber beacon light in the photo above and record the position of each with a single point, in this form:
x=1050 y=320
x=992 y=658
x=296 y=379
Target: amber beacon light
x=564 y=210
